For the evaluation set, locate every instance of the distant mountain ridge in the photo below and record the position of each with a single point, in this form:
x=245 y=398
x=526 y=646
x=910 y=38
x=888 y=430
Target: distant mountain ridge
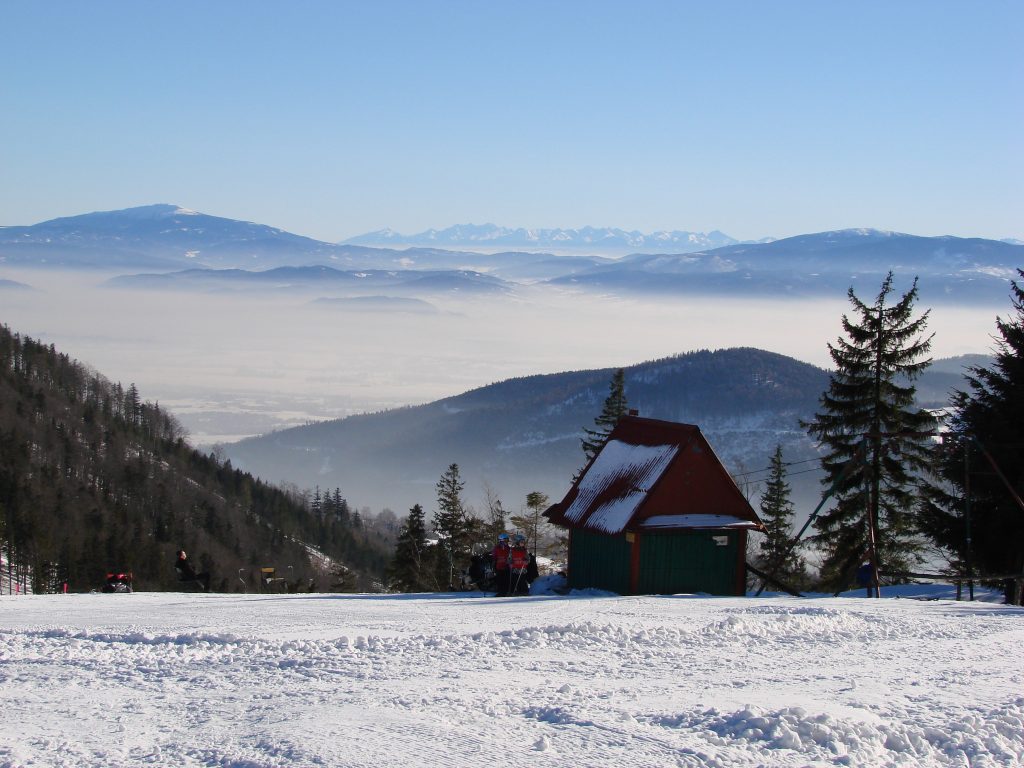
x=167 y=238
x=950 y=269
x=159 y=236
x=602 y=238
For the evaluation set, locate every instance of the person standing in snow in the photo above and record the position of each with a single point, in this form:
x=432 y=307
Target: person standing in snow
x=500 y=557
x=187 y=573
x=519 y=562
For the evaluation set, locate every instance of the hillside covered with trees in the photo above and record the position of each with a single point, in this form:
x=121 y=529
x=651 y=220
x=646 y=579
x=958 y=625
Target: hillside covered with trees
x=93 y=479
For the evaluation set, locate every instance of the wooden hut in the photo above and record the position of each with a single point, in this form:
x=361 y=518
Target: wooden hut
x=655 y=512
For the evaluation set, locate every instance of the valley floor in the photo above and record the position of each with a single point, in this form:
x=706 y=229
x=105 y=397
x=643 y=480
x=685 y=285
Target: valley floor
x=468 y=680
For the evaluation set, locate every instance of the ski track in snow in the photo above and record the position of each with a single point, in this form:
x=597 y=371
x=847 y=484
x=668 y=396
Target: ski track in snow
x=315 y=680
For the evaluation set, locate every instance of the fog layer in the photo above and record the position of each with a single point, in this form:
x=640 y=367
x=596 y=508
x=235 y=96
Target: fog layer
x=235 y=364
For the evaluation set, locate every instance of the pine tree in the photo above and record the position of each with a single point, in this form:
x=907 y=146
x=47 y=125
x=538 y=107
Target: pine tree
x=986 y=433
x=339 y=505
x=451 y=524
x=615 y=407
x=132 y=405
x=874 y=435
x=778 y=552
x=409 y=570
x=536 y=502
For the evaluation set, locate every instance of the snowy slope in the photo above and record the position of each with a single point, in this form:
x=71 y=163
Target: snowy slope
x=586 y=680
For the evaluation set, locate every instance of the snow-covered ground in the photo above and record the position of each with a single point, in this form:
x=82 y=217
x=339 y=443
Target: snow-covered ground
x=472 y=680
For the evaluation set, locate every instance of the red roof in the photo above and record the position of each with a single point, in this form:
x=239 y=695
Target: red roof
x=654 y=474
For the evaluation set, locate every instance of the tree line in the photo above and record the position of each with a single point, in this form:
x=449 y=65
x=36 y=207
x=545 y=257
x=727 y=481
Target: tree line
x=436 y=556
x=906 y=485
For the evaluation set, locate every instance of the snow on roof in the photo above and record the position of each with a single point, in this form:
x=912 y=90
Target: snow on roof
x=697 y=521
x=620 y=476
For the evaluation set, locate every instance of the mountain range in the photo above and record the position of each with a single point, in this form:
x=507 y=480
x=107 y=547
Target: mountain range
x=950 y=269
x=155 y=237
x=601 y=239
x=176 y=242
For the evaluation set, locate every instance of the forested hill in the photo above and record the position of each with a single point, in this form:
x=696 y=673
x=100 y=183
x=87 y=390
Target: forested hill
x=523 y=434
x=92 y=479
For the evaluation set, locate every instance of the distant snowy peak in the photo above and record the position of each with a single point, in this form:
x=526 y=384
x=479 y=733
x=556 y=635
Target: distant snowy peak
x=139 y=213
x=157 y=237
x=148 y=222
x=492 y=235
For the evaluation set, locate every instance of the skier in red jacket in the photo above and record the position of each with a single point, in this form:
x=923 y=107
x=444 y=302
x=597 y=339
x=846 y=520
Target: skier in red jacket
x=500 y=556
x=519 y=562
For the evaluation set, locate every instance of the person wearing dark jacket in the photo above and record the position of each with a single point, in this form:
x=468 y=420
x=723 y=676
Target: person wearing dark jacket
x=187 y=573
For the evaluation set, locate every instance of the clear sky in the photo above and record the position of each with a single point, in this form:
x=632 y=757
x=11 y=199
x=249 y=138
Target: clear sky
x=331 y=119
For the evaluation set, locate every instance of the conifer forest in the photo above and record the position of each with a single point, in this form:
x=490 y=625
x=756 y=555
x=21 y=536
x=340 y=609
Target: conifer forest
x=94 y=479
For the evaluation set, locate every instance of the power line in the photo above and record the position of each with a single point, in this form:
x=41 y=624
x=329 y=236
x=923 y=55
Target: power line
x=785 y=464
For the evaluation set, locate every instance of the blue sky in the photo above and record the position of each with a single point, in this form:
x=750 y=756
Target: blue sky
x=331 y=119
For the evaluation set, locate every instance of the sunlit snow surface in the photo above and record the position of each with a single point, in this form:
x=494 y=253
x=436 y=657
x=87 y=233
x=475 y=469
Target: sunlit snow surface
x=472 y=680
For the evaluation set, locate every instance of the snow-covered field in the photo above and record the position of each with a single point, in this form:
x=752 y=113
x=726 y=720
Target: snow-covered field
x=471 y=680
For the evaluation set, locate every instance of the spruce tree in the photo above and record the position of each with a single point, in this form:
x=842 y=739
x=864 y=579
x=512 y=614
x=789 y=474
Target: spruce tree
x=132 y=405
x=409 y=571
x=874 y=435
x=451 y=525
x=986 y=439
x=778 y=551
x=615 y=407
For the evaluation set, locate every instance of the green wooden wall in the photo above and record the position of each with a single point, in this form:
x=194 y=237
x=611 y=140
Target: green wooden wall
x=670 y=562
x=689 y=561
x=599 y=561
